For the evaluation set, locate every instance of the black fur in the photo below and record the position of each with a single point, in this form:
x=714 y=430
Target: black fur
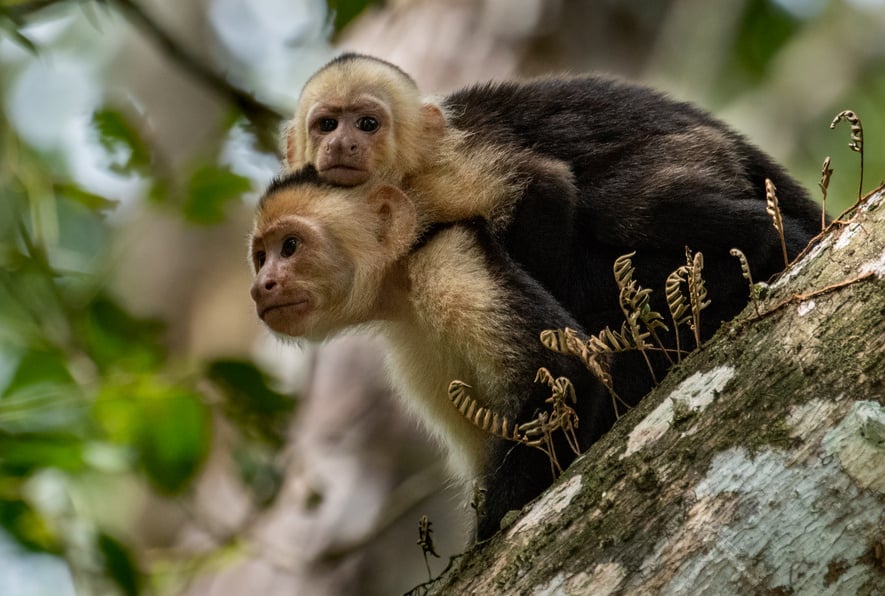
x=306 y=176
x=653 y=175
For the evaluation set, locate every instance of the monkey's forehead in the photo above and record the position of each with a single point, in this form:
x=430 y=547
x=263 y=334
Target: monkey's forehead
x=349 y=80
x=324 y=203
x=290 y=200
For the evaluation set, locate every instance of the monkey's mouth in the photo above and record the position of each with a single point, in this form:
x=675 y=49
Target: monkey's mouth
x=298 y=306
x=344 y=175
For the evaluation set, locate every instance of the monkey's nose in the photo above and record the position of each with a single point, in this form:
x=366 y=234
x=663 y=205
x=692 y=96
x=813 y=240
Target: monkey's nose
x=261 y=286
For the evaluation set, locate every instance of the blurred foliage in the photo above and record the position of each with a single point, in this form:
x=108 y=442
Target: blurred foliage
x=764 y=30
x=84 y=376
x=345 y=11
x=91 y=394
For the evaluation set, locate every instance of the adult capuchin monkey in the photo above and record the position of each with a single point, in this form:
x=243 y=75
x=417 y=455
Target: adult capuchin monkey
x=569 y=173
x=453 y=306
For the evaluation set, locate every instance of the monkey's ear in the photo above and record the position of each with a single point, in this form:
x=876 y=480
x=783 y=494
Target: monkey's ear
x=397 y=216
x=434 y=121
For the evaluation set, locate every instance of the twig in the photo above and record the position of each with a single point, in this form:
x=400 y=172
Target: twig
x=264 y=118
x=796 y=298
x=259 y=113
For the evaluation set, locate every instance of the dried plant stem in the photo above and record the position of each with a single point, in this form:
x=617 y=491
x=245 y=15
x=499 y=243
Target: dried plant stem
x=774 y=210
x=856 y=143
x=825 y=173
x=676 y=303
x=425 y=541
x=745 y=264
x=697 y=294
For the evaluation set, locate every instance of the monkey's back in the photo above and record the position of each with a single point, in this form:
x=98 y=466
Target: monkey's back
x=652 y=175
x=605 y=128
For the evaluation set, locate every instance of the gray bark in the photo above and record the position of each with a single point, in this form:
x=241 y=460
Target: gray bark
x=757 y=466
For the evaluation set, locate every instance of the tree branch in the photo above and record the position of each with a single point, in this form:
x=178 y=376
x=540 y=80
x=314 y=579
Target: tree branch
x=263 y=118
x=19 y=11
x=260 y=114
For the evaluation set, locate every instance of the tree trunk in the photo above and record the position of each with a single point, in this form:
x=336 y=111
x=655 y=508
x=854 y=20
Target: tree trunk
x=756 y=467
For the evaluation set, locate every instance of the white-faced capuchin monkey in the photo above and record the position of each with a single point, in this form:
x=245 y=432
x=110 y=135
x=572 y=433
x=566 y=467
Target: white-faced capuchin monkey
x=453 y=306
x=569 y=173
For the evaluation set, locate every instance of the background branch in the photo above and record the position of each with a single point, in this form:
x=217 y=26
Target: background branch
x=264 y=120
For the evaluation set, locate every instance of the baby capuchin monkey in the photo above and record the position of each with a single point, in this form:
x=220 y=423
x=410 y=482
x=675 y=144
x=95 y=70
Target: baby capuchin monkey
x=453 y=306
x=568 y=173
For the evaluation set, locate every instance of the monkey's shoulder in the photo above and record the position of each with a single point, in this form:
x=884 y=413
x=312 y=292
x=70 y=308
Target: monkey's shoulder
x=447 y=254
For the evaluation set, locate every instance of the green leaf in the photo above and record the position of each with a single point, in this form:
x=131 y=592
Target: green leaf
x=40 y=367
x=211 y=189
x=25 y=525
x=119 y=564
x=24 y=454
x=93 y=202
x=765 y=29
x=250 y=402
x=41 y=396
x=173 y=438
x=116 y=339
x=168 y=428
x=345 y=11
x=122 y=141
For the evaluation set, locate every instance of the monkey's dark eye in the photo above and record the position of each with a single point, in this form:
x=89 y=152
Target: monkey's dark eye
x=259 y=258
x=328 y=124
x=367 y=124
x=289 y=246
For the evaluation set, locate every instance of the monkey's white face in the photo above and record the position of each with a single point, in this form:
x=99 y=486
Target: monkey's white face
x=321 y=256
x=302 y=279
x=348 y=138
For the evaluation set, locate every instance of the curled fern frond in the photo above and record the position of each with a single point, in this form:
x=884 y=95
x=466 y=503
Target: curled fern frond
x=562 y=416
x=697 y=294
x=538 y=433
x=676 y=303
x=825 y=173
x=773 y=209
x=623 y=269
x=849 y=116
x=561 y=387
x=481 y=417
x=745 y=264
x=642 y=321
x=609 y=340
x=675 y=297
x=564 y=341
x=544 y=376
x=856 y=143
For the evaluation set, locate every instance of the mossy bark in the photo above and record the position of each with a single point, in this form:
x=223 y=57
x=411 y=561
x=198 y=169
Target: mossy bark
x=756 y=467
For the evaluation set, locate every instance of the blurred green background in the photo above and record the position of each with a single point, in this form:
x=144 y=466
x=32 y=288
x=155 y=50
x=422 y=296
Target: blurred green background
x=134 y=138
